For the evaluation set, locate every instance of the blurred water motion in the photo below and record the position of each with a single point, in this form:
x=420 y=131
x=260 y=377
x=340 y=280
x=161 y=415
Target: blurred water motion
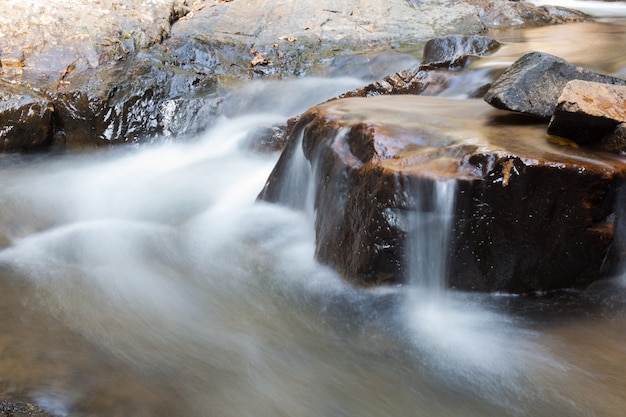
x=148 y=282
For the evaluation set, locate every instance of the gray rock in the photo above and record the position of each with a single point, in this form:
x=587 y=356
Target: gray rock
x=587 y=112
x=455 y=51
x=114 y=69
x=533 y=84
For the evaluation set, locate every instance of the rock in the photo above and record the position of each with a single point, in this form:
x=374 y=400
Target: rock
x=533 y=84
x=43 y=41
x=587 y=112
x=26 y=120
x=528 y=215
x=114 y=70
x=19 y=409
x=411 y=81
x=427 y=78
x=496 y=15
x=454 y=51
x=616 y=140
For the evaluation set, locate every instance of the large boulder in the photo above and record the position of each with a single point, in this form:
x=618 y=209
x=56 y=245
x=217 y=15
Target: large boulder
x=527 y=215
x=533 y=84
x=455 y=51
x=587 y=112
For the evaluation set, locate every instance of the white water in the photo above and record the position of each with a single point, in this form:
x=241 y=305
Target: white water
x=149 y=282
x=429 y=230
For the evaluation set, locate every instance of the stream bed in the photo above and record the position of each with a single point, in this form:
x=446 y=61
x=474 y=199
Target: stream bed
x=148 y=281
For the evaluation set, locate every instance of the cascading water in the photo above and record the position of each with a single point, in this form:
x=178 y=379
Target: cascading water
x=429 y=227
x=148 y=282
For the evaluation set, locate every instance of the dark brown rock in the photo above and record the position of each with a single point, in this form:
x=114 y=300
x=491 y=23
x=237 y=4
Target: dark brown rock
x=410 y=81
x=528 y=215
x=26 y=120
x=455 y=51
x=616 y=140
x=134 y=101
x=587 y=112
x=494 y=14
x=533 y=84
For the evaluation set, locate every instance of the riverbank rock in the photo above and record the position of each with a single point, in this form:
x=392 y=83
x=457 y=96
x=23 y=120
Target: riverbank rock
x=25 y=120
x=120 y=71
x=436 y=73
x=534 y=83
x=587 y=112
x=527 y=215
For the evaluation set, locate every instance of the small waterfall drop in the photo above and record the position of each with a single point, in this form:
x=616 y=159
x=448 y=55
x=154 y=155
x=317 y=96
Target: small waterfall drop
x=429 y=228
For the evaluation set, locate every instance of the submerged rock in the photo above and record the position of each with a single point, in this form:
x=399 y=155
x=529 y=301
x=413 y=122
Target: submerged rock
x=587 y=112
x=527 y=215
x=533 y=84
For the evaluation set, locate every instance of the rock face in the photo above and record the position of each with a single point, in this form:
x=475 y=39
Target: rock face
x=588 y=112
x=455 y=51
x=527 y=215
x=25 y=120
x=118 y=71
x=533 y=84
x=616 y=140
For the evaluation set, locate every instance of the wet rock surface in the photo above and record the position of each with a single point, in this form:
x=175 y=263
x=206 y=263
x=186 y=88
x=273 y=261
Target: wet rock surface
x=17 y=409
x=588 y=112
x=528 y=215
x=534 y=83
x=455 y=51
x=139 y=70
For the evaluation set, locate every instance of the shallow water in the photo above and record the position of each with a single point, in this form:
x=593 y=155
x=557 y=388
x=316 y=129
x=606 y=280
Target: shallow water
x=148 y=282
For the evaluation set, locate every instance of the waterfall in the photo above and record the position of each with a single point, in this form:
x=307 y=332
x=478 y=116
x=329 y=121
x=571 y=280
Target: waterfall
x=428 y=236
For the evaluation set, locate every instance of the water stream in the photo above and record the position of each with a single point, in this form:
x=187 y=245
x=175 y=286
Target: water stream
x=148 y=282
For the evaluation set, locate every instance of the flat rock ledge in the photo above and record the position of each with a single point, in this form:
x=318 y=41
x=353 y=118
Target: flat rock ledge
x=527 y=216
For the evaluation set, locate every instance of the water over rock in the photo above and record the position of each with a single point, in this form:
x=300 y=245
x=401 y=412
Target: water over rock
x=587 y=112
x=528 y=215
x=533 y=84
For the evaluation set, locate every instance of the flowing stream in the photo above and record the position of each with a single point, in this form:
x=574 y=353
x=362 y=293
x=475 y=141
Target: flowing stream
x=149 y=282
